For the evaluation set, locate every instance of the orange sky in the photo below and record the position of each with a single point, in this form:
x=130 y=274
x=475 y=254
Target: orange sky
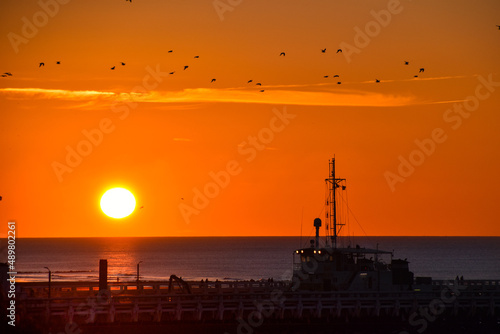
x=163 y=135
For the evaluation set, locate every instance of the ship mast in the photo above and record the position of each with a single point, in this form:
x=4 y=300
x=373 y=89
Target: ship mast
x=331 y=202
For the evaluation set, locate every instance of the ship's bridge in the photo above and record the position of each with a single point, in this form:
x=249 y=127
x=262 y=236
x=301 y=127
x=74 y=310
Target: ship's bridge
x=341 y=258
x=328 y=268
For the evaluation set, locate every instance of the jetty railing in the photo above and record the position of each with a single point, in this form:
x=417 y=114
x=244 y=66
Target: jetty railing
x=62 y=289
x=81 y=302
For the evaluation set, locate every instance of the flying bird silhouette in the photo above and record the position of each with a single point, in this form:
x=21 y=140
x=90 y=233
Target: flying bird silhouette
x=41 y=64
x=498 y=27
x=323 y=50
x=170 y=51
x=8 y=74
x=282 y=54
x=336 y=76
x=197 y=56
x=123 y=64
x=113 y=68
x=407 y=63
x=172 y=72
x=58 y=62
x=249 y=81
x=339 y=50
x=212 y=80
x=258 y=84
x=186 y=66
x=262 y=91
x=421 y=70
x=338 y=83
x=377 y=80
x=325 y=76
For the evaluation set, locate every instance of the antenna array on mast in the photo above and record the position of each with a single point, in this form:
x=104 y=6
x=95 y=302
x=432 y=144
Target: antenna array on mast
x=333 y=226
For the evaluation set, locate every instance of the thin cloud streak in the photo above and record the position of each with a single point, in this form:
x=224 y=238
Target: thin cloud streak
x=55 y=93
x=269 y=96
x=413 y=79
x=273 y=96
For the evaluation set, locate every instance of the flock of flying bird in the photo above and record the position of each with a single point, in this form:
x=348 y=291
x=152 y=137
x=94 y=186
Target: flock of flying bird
x=282 y=54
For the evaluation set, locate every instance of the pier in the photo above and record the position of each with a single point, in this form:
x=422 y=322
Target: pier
x=251 y=302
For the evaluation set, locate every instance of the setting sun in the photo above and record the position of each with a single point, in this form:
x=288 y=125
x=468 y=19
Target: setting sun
x=117 y=203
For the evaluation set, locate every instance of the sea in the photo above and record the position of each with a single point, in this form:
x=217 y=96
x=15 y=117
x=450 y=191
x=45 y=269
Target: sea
x=235 y=258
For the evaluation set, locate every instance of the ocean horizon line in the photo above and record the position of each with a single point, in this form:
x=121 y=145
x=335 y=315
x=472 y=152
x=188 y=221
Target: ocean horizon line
x=263 y=236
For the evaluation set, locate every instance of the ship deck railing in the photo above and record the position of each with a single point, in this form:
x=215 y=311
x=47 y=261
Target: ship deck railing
x=473 y=284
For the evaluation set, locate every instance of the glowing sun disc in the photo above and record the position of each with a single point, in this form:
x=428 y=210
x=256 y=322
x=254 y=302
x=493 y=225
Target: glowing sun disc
x=117 y=203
